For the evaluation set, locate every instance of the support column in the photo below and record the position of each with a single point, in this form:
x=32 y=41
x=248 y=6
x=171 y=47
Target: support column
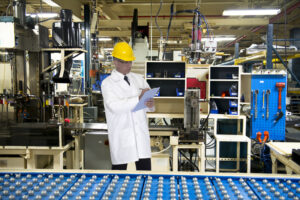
x=236 y=50
x=269 y=46
x=88 y=48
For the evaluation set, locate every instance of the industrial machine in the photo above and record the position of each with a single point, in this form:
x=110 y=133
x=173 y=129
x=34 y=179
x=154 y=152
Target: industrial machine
x=66 y=34
x=191 y=131
x=33 y=109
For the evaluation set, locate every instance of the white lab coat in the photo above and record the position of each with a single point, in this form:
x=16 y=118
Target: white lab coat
x=128 y=131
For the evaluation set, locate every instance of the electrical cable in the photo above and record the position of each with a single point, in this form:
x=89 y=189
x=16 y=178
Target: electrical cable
x=151 y=37
x=208 y=145
x=157 y=122
x=206 y=119
x=207 y=26
x=170 y=22
x=183 y=11
x=160 y=32
x=169 y=26
x=9 y=5
x=158 y=152
x=210 y=142
x=210 y=164
x=165 y=122
x=211 y=147
x=195 y=166
x=193 y=29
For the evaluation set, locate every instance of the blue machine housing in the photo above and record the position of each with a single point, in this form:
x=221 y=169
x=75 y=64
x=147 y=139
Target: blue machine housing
x=97 y=85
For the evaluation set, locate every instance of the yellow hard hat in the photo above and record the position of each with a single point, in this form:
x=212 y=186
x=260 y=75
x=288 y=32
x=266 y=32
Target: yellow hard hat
x=123 y=51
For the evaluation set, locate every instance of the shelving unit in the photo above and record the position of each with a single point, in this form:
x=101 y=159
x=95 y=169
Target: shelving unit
x=221 y=79
x=230 y=139
x=170 y=77
x=166 y=79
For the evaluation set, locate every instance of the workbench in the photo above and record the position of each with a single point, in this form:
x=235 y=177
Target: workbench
x=69 y=184
x=282 y=151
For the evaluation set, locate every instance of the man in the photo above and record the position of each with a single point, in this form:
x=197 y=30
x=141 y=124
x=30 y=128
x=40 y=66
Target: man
x=128 y=133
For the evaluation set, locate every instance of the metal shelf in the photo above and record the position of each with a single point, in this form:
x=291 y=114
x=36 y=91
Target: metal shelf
x=218 y=97
x=244 y=103
x=169 y=97
x=165 y=115
x=225 y=80
x=166 y=79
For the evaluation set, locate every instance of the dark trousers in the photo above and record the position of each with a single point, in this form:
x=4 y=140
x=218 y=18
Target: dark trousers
x=141 y=164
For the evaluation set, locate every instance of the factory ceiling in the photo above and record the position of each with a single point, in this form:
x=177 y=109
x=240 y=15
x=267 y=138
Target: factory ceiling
x=114 y=18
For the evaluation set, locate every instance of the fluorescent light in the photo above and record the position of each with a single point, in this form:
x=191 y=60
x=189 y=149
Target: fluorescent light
x=251 y=12
x=43 y=15
x=51 y=3
x=104 y=39
x=108 y=49
x=218 y=39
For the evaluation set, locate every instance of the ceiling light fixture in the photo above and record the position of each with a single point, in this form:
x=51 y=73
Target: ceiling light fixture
x=250 y=12
x=108 y=49
x=104 y=39
x=51 y=3
x=43 y=15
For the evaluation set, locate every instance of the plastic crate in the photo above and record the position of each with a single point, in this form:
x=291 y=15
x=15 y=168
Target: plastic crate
x=179 y=92
x=233 y=103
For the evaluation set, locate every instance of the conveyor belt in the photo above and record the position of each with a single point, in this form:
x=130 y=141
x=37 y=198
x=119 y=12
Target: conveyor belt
x=41 y=185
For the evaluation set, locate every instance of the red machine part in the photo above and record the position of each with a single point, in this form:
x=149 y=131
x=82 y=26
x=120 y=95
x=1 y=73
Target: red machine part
x=194 y=83
x=258 y=136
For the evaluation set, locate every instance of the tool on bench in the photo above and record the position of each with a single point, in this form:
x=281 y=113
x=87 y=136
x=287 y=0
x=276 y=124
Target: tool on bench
x=266 y=137
x=279 y=85
x=258 y=136
x=268 y=92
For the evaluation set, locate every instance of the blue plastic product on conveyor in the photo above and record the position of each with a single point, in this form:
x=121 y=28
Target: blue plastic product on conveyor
x=40 y=185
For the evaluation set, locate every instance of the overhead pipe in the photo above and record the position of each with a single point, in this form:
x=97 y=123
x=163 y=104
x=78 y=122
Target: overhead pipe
x=273 y=19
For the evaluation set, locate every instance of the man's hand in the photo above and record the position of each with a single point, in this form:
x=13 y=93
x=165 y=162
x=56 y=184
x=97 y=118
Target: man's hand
x=143 y=92
x=149 y=103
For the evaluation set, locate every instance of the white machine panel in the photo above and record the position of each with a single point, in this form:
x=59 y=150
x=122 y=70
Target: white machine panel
x=7 y=35
x=12 y=163
x=210 y=46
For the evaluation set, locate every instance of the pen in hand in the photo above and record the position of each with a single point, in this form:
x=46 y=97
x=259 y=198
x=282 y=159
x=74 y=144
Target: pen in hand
x=143 y=91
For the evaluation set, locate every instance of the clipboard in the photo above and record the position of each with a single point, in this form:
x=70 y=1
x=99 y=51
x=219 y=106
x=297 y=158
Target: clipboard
x=147 y=95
